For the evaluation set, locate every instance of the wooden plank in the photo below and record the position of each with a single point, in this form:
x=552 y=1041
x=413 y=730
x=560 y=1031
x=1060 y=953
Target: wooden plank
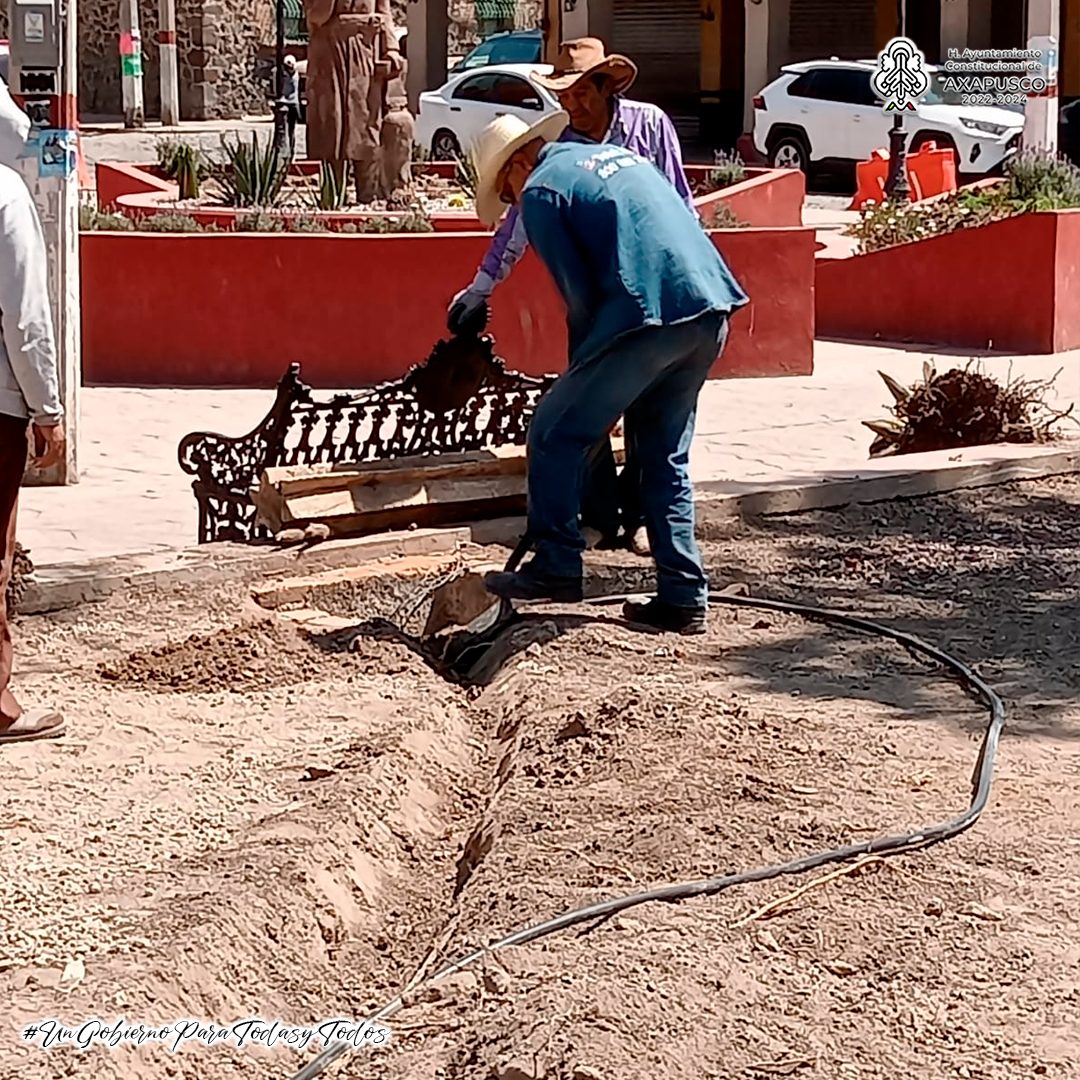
x=499 y=461
x=430 y=516
x=300 y=480
x=361 y=499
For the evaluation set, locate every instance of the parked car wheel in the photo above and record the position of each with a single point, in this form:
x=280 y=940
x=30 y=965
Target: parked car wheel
x=921 y=138
x=444 y=146
x=790 y=151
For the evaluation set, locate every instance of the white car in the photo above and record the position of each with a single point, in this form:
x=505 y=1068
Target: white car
x=825 y=112
x=452 y=116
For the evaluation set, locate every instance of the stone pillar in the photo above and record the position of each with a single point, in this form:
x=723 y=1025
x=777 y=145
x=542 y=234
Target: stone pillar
x=575 y=19
x=979 y=23
x=1041 y=112
x=428 y=24
x=766 y=48
x=954 y=26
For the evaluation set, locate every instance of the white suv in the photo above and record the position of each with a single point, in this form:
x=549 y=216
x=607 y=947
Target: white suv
x=825 y=112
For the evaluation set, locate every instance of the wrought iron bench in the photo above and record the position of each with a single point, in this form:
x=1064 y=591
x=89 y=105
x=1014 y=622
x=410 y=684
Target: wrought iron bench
x=461 y=398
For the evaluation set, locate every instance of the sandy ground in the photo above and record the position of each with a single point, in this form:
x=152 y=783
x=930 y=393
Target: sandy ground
x=245 y=823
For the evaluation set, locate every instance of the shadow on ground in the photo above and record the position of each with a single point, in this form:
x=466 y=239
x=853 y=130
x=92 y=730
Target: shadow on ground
x=991 y=575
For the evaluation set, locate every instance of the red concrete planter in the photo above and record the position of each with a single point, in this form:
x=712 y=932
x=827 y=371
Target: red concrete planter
x=766 y=199
x=139 y=191
x=1012 y=286
x=232 y=310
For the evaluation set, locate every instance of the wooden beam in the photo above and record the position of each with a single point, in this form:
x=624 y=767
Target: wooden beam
x=397 y=493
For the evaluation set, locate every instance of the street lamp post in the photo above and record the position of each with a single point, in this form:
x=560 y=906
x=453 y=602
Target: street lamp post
x=896 y=182
x=280 y=108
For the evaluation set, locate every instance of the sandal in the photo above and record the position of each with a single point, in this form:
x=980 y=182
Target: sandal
x=33 y=724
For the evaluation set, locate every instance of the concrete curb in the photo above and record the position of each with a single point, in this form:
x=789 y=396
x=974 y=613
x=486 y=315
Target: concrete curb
x=66 y=585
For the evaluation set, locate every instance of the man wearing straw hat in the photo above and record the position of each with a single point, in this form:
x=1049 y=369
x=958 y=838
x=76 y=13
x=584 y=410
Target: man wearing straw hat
x=648 y=299
x=590 y=85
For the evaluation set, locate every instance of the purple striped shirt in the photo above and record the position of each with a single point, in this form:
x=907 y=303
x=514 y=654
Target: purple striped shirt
x=637 y=125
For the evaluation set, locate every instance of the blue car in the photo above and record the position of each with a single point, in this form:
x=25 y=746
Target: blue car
x=512 y=47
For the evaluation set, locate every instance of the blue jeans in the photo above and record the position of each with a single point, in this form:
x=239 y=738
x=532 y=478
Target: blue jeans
x=652 y=377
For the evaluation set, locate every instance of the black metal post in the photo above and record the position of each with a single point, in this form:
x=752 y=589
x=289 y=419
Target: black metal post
x=896 y=182
x=280 y=108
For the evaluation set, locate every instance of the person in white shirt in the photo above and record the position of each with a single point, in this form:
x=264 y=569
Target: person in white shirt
x=29 y=392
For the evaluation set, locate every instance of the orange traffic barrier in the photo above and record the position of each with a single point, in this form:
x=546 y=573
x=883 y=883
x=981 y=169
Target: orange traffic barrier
x=935 y=170
x=870 y=179
x=930 y=172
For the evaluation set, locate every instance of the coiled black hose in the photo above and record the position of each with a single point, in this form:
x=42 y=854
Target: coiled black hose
x=882 y=845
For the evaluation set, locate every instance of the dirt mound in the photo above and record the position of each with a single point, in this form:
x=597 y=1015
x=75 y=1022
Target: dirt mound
x=253 y=656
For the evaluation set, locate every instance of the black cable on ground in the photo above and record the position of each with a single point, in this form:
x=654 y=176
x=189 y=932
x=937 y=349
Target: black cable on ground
x=881 y=846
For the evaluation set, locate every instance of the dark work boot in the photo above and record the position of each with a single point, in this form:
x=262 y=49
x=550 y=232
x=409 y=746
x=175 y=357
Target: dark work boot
x=667 y=617
x=526 y=584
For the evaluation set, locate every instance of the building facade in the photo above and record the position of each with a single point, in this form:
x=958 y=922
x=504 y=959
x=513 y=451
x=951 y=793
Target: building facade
x=704 y=60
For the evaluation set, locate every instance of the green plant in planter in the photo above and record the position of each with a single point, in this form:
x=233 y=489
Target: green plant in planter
x=308 y=223
x=254 y=174
x=1040 y=181
x=466 y=175
x=91 y=219
x=1033 y=181
x=260 y=221
x=333 y=187
x=183 y=162
x=727 y=169
x=415 y=221
x=723 y=218
x=172 y=223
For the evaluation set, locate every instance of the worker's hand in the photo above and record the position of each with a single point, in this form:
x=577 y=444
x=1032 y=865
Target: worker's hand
x=397 y=64
x=469 y=304
x=50 y=442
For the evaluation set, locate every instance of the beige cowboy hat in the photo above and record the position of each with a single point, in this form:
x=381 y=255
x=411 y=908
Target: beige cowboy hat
x=587 y=56
x=494 y=147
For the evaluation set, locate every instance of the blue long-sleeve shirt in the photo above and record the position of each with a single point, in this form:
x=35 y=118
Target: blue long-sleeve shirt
x=639 y=126
x=620 y=245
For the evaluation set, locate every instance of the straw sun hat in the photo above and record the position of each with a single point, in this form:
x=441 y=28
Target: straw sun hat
x=587 y=56
x=494 y=147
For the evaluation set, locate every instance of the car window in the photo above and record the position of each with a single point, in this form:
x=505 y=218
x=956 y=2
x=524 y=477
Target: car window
x=516 y=92
x=847 y=86
x=516 y=50
x=479 y=57
x=477 y=88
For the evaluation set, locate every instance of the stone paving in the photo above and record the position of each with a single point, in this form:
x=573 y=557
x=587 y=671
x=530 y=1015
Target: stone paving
x=752 y=434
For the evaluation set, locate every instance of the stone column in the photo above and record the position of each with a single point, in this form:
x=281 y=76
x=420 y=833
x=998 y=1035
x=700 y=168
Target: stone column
x=1041 y=112
x=575 y=19
x=954 y=26
x=428 y=24
x=766 y=48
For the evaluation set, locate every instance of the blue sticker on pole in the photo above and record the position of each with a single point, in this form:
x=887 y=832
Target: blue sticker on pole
x=58 y=153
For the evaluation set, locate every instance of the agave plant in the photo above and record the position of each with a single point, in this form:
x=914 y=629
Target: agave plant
x=183 y=162
x=255 y=172
x=188 y=170
x=466 y=175
x=333 y=186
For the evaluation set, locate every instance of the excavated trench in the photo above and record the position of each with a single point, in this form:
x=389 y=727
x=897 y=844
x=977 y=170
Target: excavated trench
x=374 y=882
